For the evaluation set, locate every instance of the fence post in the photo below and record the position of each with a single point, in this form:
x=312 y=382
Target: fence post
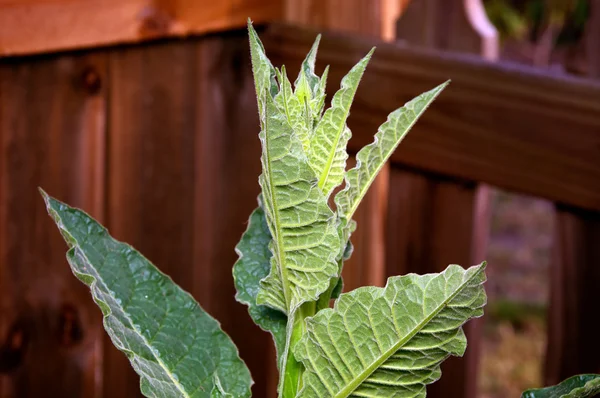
x=462 y=26
x=52 y=130
x=573 y=323
x=572 y=345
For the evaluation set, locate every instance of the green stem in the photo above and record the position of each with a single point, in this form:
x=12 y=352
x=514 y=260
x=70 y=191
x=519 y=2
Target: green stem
x=291 y=372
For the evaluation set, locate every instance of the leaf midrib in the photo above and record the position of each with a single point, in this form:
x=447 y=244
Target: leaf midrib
x=328 y=165
x=280 y=251
x=358 y=380
x=99 y=278
x=374 y=175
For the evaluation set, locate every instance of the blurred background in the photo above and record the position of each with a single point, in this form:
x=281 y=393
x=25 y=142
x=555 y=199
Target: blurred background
x=142 y=112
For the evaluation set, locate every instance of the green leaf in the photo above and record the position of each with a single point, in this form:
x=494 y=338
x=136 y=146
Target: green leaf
x=389 y=342
x=318 y=102
x=303 y=227
x=172 y=343
x=252 y=266
x=327 y=154
x=298 y=115
x=264 y=73
x=581 y=386
x=372 y=157
x=307 y=72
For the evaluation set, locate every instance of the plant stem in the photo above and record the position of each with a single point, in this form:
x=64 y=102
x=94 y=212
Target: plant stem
x=291 y=372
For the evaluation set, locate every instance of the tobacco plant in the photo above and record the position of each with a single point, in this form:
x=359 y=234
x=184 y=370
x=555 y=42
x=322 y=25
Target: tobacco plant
x=373 y=342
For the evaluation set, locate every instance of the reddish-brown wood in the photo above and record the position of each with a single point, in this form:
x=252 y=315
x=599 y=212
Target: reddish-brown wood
x=367 y=264
x=52 y=125
x=356 y=16
x=592 y=45
x=455 y=25
x=496 y=123
x=431 y=224
x=34 y=26
x=572 y=326
x=183 y=172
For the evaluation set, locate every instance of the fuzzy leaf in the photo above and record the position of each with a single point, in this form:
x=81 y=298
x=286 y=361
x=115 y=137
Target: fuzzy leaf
x=581 y=386
x=172 y=343
x=372 y=157
x=265 y=75
x=298 y=115
x=327 y=154
x=252 y=266
x=307 y=72
x=389 y=342
x=302 y=225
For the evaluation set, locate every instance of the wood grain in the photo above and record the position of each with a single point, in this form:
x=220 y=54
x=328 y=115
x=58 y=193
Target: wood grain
x=431 y=223
x=33 y=26
x=500 y=124
x=357 y=16
x=52 y=128
x=183 y=173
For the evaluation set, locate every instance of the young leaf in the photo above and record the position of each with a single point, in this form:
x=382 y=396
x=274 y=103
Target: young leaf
x=372 y=157
x=389 y=342
x=318 y=102
x=307 y=71
x=327 y=154
x=252 y=266
x=294 y=109
x=302 y=225
x=264 y=73
x=172 y=343
x=581 y=386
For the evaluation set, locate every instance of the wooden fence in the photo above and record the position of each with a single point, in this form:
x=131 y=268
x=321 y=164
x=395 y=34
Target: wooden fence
x=159 y=142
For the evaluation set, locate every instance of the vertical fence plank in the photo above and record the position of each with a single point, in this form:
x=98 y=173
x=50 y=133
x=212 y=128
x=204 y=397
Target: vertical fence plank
x=183 y=174
x=150 y=175
x=358 y=16
x=430 y=225
x=573 y=346
x=228 y=165
x=52 y=126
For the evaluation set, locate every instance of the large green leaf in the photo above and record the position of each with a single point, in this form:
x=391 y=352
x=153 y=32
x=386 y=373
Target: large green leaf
x=252 y=266
x=303 y=227
x=389 y=342
x=172 y=343
x=327 y=154
x=372 y=157
x=581 y=386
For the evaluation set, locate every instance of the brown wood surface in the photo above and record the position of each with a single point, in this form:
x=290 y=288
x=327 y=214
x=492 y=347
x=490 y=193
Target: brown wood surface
x=431 y=224
x=52 y=127
x=500 y=124
x=356 y=16
x=34 y=26
x=573 y=325
x=454 y=25
x=592 y=40
x=183 y=173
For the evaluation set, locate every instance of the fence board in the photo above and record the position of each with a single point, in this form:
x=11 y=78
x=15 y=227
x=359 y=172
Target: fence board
x=184 y=163
x=52 y=125
x=430 y=225
x=572 y=346
x=499 y=124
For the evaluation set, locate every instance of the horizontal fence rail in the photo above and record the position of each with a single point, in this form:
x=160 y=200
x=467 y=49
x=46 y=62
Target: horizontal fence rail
x=506 y=125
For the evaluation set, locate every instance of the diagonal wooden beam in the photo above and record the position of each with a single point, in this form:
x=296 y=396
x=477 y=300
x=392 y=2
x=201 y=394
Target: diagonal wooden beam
x=502 y=124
